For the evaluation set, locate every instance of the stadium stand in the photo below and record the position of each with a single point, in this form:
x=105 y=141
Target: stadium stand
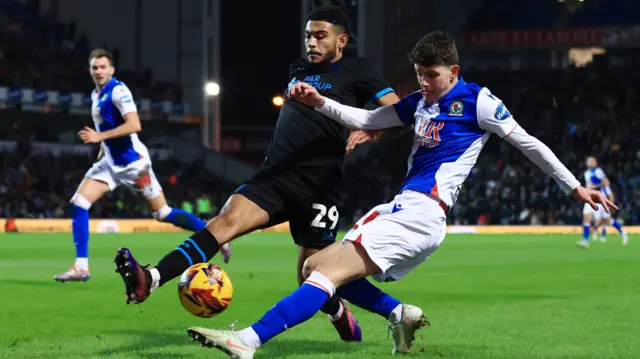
x=578 y=112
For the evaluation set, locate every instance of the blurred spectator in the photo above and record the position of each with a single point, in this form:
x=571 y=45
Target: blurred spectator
x=42 y=53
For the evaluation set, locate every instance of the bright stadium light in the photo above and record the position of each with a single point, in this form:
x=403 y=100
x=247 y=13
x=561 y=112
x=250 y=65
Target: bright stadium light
x=277 y=101
x=212 y=89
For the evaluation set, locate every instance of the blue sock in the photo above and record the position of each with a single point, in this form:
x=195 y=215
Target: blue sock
x=367 y=296
x=296 y=308
x=80 y=227
x=184 y=220
x=604 y=232
x=617 y=226
x=585 y=232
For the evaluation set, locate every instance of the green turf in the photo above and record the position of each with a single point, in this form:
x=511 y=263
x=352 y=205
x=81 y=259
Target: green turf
x=492 y=297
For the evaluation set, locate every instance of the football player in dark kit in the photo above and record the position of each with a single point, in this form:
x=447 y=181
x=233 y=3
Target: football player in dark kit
x=300 y=178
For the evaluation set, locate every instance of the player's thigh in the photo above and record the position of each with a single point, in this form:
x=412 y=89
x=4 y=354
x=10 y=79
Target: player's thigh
x=140 y=177
x=588 y=212
x=350 y=262
x=400 y=235
x=240 y=215
x=312 y=261
x=98 y=180
x=91 y=189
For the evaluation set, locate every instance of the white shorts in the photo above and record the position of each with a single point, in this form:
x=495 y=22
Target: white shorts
x=400 y=235
x=597 y=215
x=137 y=175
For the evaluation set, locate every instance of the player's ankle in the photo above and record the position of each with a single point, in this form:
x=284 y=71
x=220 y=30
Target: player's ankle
x=250 y=337
x=338 y=314
x=154 y=276
x=82 y=263
x=396 y=315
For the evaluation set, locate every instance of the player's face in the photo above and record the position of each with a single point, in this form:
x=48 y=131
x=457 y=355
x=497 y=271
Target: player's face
x=435 y=81
x=101 y=70
x=591 y=162
x=323 y=42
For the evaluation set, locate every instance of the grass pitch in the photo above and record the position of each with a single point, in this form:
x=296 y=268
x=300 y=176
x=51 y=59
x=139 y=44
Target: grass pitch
x=524 y=296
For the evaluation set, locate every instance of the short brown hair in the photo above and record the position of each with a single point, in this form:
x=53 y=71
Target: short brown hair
x=435 y=48
x=98 y=53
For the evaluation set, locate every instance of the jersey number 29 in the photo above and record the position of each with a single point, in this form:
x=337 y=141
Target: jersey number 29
x=333 y=216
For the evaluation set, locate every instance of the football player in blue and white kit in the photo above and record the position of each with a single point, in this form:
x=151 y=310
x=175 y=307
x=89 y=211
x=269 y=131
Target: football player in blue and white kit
x=452 y=120
x=595 y=178
x=123 y=159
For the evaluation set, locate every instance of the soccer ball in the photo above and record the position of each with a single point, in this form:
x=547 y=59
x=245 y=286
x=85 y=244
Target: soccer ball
x=205 y=290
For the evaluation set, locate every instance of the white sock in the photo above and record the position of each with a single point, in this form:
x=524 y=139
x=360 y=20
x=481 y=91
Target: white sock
x=396 y=315
x=155 y=279
x=338 y=314
x=250 y=337
x=82 y=263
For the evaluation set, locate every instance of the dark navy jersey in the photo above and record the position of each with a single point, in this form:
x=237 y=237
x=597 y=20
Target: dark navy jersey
x=305 y=137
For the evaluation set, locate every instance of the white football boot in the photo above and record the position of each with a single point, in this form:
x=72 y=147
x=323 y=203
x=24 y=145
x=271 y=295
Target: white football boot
x=404 y=332
x=227 y=341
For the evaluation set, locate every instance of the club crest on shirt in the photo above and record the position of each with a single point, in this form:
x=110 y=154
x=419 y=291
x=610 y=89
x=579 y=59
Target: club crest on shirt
x=456 y=108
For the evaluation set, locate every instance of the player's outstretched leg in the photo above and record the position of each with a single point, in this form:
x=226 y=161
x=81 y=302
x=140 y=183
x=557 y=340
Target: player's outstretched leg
x=179 y=218
x=238 y=217
x=352 y=263
x=367 y=296
x=88 y=192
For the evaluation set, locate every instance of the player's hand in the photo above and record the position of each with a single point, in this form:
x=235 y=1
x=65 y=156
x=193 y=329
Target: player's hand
x=360 y=136
x=593 y=197
x=306 y=94
x=89 y=135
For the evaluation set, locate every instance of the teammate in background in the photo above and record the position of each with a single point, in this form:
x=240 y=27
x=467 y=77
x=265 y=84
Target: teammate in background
x=452 y=120
x=595 y=178
x=300 y=178
x=123 y=159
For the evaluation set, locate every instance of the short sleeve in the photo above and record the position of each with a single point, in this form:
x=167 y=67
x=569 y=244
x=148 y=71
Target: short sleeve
x=123 y=100
x=493 y=115
x=370 y=84
x=406 y=108
x=600 y=174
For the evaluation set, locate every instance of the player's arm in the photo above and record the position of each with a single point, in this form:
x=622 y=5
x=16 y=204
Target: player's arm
x=350 y=117
x=394 y=132
x=357 y=137
x=122 y=99
x=372 y=86
x=494 y=117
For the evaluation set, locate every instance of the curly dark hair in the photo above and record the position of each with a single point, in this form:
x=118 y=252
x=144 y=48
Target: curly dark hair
x=435 y=48
x=333 y=15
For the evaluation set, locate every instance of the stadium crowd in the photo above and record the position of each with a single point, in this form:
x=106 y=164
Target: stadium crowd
x=576 y=111
x=595 y=117
x=41 y=52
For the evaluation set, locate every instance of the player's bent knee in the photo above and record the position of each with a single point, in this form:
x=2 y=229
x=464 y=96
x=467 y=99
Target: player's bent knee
x=310 y=265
